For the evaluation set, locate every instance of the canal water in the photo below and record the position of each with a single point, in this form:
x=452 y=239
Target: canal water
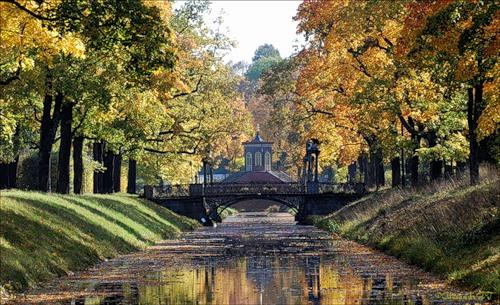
x=252 y=258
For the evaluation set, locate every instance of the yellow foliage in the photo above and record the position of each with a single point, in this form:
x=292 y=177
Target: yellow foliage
x=21 y=33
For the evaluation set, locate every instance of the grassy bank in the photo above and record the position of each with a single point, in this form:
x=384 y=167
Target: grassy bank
x=42 y=235
x=228 y=212
x=448 y=228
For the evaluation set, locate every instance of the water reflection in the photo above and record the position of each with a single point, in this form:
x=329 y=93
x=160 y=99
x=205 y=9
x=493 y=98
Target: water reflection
x=260 y=280
x=257 y=261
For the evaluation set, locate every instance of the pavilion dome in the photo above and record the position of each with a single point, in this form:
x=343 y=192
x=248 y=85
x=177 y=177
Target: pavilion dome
x=258 y=140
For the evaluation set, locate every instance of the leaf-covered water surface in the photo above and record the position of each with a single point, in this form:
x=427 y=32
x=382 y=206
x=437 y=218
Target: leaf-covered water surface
x=253 y=258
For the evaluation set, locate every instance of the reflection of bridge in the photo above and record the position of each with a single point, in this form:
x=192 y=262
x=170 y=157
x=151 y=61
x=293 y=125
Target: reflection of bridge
x=208 y=201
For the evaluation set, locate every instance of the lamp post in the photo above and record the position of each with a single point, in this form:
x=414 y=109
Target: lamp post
x=304 y=170
x=309 y=161
x=211 y=167
x=311 y=170
x=315 y=152
x=207 y=172
x=204 y=161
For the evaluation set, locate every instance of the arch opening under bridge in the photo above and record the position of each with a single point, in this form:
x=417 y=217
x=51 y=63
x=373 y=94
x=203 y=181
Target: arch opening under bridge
x=216 y=208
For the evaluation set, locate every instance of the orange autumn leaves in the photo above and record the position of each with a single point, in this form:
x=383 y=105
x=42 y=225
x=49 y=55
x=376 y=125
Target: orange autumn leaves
x=367 y=64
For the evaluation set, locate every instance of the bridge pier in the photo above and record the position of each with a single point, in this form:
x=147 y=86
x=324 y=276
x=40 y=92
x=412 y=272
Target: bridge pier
x=193 y=207
x=324 y=204
x=214 y=216
x=301 y=216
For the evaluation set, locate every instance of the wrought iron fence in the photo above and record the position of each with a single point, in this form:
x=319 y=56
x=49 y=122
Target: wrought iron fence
x=182 y=190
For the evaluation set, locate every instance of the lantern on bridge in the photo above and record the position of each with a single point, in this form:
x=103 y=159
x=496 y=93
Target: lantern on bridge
x=311 y=165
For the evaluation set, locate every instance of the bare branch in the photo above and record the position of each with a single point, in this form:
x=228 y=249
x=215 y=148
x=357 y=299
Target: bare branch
x=25 y=9
x=81 y=122
x=191 y=92
x=13 y=77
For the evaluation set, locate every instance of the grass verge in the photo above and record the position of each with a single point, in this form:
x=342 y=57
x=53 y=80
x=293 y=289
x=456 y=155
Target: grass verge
x=449 y=228
x=47 y=235
x=228 y=212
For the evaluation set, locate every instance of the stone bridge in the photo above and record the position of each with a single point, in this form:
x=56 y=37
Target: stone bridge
x=206 y=202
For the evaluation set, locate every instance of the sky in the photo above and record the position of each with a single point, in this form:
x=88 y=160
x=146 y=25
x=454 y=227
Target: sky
x=253 y=23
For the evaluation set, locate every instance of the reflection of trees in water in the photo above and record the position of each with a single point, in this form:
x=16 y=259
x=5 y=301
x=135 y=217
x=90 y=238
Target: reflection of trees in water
x=374 y=289
x=312 y=272
x=259 y=280
x=260 y=270
x=381 y=289
x=116 y=293
x=267 y=271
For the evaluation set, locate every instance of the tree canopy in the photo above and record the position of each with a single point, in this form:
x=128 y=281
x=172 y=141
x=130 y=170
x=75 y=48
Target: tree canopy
x=129 y=79
x=85 y=85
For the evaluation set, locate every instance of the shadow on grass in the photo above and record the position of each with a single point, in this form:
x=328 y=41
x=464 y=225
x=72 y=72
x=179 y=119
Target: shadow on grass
x=34 y=251
x=148 y=220
x=39 y=251
x=42 y=235
x=110 y=219
x=84 y=225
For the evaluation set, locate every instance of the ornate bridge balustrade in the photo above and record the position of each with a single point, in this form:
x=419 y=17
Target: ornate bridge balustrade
x=192 y=190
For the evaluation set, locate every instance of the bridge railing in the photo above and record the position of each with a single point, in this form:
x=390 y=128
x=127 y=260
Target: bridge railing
x=341 y=188
x=250 y=188
x=256 y=188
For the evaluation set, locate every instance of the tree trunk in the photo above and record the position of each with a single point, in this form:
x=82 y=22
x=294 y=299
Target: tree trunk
x=375 y=167
x=108 y=177
x=98 y=152
x=4 y=175
x=436 y=165
x=78 y=165
x=487 y=148
x=370 y=173
x=8 y=174
x=13 y=173
x=361 y=167
x=461 y=167
x=65 y=149
x=396 y=171
x=448 y=168
x=364 y=169
x=414 y=162
x=131 y=176
x=414 y=128
x=474 y=109
x=48 y=130
x=45 y=146
x=117 y=173
x=351 y=172
x=379 y=167
x=436 y=169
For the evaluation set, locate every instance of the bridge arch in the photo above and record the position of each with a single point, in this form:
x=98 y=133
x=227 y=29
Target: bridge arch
x=218 y=207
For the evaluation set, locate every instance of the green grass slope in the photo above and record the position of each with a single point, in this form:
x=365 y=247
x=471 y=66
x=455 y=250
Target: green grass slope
x=47 y=235
x=449 y=228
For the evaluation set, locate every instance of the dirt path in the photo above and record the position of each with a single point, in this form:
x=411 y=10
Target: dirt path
x=252 y=259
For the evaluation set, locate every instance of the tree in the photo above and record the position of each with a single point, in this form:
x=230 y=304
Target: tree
x=265 y=50
x=287 y=123
x=352 y=70
x=265 y=57
x=166 y=127
x=468 y=59
x=65 y=32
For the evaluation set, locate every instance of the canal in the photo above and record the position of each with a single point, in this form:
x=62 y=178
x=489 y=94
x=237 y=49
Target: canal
x=252 y=258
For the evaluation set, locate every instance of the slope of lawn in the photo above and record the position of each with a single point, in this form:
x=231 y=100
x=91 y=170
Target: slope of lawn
x=47 y=235
x=449 y=228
